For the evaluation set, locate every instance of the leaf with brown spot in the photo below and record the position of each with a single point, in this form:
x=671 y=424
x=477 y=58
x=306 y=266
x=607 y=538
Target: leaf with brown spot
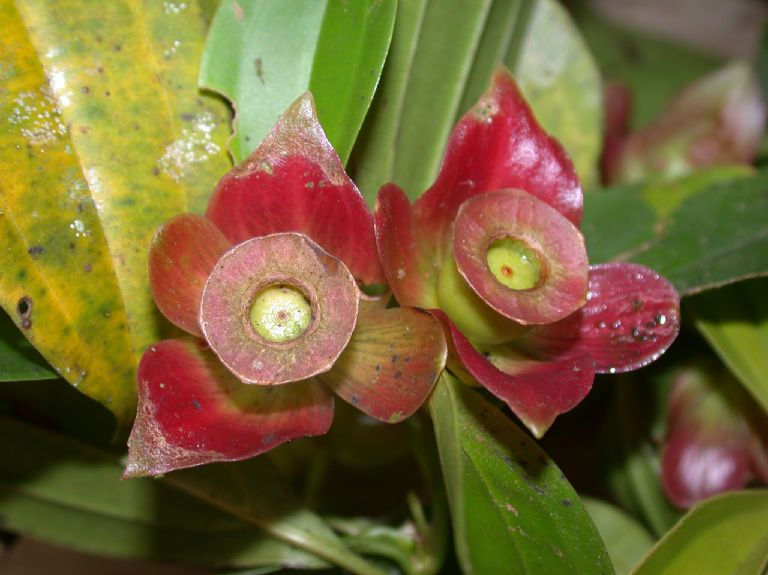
x=107 y=137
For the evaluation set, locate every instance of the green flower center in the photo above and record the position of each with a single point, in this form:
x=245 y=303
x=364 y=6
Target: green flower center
x=280 y=313
x=514 y=263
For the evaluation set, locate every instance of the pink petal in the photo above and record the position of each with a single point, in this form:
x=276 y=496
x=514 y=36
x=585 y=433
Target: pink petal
x=631 y=317
x=183 y=252
x=559 y=244
x=295 y=182
x=406 y=257
x=536 y=392
x=286 y=259
x=192 y=411
x=498 y=144
x=391 y=363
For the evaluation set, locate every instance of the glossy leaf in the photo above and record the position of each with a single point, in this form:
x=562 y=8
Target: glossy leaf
x=69 y=494
x=725 y=534
x=627 y=540
x=262 y=55
x=18 y=359
x=512 y=509
x=107 y=166
x=734 y=320
x=695 y=243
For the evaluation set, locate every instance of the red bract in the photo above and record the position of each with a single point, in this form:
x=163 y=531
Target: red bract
x=715 y=437
x=269 y=281
x=493 y=248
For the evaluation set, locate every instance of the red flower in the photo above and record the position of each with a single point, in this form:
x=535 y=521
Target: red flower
x=268 y=283
x=716 y=437
x=493 y=248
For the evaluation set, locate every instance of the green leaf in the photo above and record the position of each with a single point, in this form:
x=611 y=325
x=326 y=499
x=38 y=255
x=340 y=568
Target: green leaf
x=513 y=511
x=18 y=359
x=107 y=138
x=441 y=61
x=447 y=41
x=734 y=320
x=725 y=534
x=627 y=541
x=373 y=156
x=700 y=237
x=254 y=492
x=69 y=494
x=560 y=79
x=264 y=54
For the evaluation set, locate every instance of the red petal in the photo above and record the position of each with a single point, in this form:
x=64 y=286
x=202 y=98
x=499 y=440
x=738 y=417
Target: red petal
x=192 y=411
x=295 y=182
x=536 y=392
x=411 y=271
x=498 y=144
x=695 y=466
x=391 y=363
x=631 y=317
x=184 y=251
x=558 y=243
x=279 y=259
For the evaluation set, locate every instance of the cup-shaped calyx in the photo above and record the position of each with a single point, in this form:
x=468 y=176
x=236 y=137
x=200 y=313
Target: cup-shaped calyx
x=278 y=308
x=522 y=257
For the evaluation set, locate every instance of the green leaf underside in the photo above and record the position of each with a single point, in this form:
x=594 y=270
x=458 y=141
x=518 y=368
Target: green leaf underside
x=734 y=320
x=714 y=236
x=110 y=138
x=19 y=361
x=725 y=534
x=626 y=540
x=441 y=61
x=513 y=511
x=70 y=494
x=262 y=55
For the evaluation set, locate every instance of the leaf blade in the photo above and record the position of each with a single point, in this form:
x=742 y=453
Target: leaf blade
x=508 y=501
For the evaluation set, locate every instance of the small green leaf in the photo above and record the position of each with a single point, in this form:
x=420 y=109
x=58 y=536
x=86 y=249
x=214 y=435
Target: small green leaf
x=513 y=511
x=264 y=54
x=715 y=235
x=734 y=320
x=71 y=494
x=18 y=359
x=725 y=534
x=627 y=541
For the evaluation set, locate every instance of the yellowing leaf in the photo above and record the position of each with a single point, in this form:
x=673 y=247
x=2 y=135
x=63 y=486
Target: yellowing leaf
x=105 y=138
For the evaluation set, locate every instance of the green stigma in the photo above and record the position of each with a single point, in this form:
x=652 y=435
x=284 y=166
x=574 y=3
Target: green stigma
x=280 y=313
x=514 y=263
